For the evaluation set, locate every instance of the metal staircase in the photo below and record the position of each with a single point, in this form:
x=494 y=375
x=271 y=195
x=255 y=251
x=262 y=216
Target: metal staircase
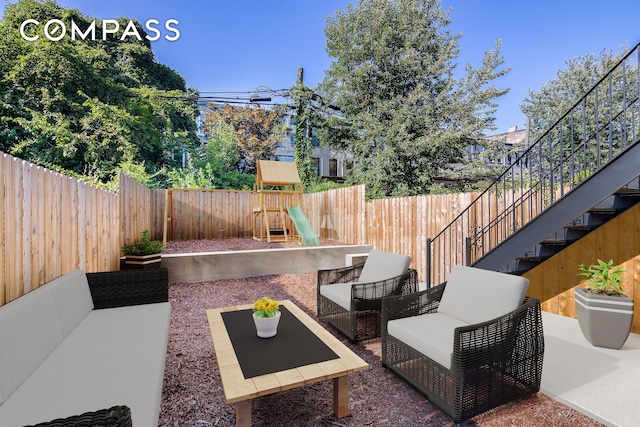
x=583 y=171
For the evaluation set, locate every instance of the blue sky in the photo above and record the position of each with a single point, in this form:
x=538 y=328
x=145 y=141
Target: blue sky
x=240 y=45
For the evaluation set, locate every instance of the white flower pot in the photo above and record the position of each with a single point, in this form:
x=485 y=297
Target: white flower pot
x=266 y=327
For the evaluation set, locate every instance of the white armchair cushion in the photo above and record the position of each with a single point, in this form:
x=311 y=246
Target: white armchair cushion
x=430 y=334
x=381 y=265
x=474 y=295
x=340 y=293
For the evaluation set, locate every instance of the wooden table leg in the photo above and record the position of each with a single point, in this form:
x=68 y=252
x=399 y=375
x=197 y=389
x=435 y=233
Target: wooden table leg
x=341 y=396
x=243 y=413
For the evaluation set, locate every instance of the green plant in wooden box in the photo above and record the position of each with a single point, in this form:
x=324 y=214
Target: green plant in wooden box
x=142 y=253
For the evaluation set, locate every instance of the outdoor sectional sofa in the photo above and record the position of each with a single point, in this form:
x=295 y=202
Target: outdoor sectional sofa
x=86 y=345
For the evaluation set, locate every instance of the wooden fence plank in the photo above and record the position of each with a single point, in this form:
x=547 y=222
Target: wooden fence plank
x=14 y=229
x=27 y=215
x=4 y=206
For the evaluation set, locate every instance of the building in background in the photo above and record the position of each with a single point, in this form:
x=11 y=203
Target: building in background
x=329 y=164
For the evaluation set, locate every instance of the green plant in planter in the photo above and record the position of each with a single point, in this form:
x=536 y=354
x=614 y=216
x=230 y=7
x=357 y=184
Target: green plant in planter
x=603 y=278
x=604 y=314
x=143 y=246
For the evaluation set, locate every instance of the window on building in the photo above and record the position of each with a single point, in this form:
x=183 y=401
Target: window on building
x=333 y=167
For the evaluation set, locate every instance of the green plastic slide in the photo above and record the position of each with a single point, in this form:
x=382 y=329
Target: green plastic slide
x=309 y=237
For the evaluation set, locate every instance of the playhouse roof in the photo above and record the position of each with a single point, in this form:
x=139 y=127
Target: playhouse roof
x=277 y=173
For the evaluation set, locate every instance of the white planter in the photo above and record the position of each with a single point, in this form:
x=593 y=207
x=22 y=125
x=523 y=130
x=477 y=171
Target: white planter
x=266 y=327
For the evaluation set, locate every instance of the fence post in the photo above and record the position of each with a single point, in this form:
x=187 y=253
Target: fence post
x=428 y=265
x=467 y=244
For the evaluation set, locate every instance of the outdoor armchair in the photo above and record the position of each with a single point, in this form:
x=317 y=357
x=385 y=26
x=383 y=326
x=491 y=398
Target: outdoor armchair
x=350 y=298
x=470 y=344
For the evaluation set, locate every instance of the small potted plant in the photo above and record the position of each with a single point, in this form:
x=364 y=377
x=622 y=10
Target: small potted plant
x=266 y=316
x=603 y=312
x=142 y=253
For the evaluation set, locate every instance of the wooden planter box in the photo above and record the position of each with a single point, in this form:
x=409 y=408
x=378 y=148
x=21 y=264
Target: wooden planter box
x=130 y=262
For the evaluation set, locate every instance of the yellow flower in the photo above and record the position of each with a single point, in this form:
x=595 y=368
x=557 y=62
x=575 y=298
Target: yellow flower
x=265 y=307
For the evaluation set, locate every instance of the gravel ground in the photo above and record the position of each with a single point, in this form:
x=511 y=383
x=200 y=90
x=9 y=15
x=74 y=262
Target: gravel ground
x=193 y=396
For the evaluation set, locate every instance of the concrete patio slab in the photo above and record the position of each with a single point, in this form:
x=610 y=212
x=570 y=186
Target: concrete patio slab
x=601 y=383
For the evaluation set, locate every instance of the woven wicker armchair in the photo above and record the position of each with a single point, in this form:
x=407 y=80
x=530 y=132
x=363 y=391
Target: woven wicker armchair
x=350 y=298
x=487 y=363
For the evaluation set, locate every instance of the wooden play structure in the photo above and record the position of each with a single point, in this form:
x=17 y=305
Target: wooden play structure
x=277 y=186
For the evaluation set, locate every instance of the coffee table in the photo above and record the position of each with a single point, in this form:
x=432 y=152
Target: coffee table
x=240 y=390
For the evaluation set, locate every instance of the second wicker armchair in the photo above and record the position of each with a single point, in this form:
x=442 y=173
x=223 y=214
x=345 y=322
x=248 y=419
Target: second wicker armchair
x=350 y=298
x=470 y=344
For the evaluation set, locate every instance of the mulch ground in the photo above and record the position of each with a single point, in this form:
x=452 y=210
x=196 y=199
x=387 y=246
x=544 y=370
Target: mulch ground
x=193 y=396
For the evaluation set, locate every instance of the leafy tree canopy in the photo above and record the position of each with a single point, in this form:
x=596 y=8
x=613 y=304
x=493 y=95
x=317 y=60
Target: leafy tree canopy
x=256 y=131
x=557 y=96
x=88 y=106
x=404 y=115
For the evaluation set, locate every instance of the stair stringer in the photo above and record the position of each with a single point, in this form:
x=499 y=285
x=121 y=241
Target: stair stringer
x=600 y=185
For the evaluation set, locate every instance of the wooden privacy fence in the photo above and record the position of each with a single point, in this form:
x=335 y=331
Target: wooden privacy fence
x=140 y=208
x=53 y=224
x=209 y=214
x=397 y=224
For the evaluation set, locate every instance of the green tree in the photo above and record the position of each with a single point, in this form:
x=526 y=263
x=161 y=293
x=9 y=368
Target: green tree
x=306 y=119
x=392 y=76
x=557 y=96
x=214 y=164
x=88 y=106
x=257 y=131
x=572 y=118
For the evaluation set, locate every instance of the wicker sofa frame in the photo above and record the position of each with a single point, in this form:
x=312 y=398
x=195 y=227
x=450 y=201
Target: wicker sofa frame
x=493 y=363
x=362 y=321
x=128 y=287
x=117 y=416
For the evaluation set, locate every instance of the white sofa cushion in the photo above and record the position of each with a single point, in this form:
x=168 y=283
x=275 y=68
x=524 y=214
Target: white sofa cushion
x=430 y=334
x=72 y=297
x=474 y=295
x=340 y=293
x=381 y=265
x=29 y=332
x=113 y=357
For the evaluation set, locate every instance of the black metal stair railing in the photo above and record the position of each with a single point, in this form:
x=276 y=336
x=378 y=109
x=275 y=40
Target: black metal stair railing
x=597 y=128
